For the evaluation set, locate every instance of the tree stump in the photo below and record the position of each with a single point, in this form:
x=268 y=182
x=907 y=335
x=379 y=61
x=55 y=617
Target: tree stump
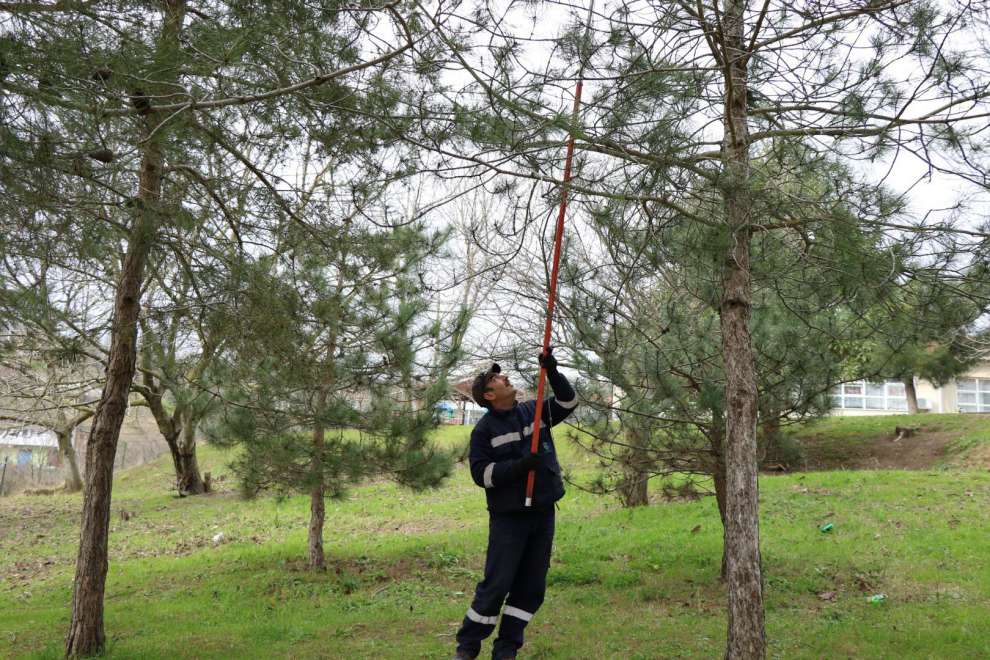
x=902 y=432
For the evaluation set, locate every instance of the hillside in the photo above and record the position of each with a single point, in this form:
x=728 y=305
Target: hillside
x=872 y=443
x=624 y=583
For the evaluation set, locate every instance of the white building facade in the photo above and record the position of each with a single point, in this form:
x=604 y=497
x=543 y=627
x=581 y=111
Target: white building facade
x=969 y=393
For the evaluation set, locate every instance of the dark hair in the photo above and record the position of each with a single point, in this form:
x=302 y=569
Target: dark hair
x=480 y=385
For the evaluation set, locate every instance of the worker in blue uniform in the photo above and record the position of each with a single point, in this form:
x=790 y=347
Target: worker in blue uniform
x=519 y=536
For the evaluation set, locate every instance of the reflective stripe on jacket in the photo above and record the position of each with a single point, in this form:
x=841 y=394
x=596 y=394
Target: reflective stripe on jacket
x=501 y=438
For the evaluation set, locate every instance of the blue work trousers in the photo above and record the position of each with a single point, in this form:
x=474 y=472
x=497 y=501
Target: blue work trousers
x=515 y=574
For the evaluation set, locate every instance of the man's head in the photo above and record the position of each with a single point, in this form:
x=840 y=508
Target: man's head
x=492 y=389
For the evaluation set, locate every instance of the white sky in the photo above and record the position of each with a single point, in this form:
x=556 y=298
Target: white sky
x=928 y=196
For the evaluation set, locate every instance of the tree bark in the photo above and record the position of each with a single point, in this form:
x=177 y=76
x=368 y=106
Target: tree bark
x=317 y=503
x=179 y=432
x=86 y=633
x=317 y=493
x=188 y=477
x=167 y=424
x=73 y=480
x=64 y=432
x=911 y=394
x=768 y=438
x=716 y=437
x=634 y=487
x=172 y=441
x=746 y=633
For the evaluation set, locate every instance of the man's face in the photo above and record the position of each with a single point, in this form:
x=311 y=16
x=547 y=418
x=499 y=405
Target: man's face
x=500 y=391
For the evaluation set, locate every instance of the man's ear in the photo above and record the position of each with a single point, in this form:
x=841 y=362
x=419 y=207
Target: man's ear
x=489 y=396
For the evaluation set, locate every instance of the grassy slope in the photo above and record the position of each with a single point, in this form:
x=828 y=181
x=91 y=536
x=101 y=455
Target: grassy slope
x=967 y=437
x=630 y=584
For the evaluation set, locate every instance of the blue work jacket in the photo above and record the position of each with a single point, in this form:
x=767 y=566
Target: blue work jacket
x=501 y=439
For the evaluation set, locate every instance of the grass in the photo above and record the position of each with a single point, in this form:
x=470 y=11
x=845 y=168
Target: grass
x=964 y=436
x=970 y=429
x=636 y=583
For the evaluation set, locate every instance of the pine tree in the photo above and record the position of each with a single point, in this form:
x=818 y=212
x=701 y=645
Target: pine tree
x=326 y=382
x=642 y=316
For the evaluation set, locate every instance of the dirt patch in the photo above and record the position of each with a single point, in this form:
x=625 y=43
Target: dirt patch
x=359 y=572
x=921 y=451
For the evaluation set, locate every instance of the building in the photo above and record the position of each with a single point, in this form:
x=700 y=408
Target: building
x=970 y=393
x=29 y=458
x=26 y=446
x=466 y=411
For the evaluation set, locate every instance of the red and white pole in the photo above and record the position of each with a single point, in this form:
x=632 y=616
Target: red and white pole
x=552 y=299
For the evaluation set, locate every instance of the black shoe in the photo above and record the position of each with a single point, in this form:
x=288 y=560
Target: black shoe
x=462 y=655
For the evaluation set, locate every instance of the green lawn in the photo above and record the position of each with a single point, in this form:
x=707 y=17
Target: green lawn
x=624 y=583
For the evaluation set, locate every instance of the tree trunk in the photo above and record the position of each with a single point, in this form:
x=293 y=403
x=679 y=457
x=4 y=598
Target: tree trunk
x=768 y=440
x=73 y=480
x=188 y=477
x=720 y=486
x=716 y=438
x=172 y=441
x=168 y=425
x=179 y=432
x=190 y=481
x=746 y=635
x=317 y=503
x=634 y=487
x=911 y=394
x=173 y=428
x=86 y=634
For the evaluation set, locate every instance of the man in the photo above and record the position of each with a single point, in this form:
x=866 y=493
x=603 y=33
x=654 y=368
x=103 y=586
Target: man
x=519 y=537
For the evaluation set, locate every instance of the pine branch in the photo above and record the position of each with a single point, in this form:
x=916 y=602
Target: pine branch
x=315 y=81
x=867 y=10
x=42 y=7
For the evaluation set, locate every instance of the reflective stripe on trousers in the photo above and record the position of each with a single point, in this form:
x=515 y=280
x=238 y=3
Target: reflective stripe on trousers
x=516 y=566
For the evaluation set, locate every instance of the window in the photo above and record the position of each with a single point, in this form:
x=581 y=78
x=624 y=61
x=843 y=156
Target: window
x=861 y=395
x=874 y=389
x=973 y=395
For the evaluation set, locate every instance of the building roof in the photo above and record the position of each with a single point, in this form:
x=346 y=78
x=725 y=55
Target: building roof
x=463 y=388
x=28 y=436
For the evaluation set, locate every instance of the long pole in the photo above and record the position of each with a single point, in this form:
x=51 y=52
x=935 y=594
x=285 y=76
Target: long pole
x=558 y=236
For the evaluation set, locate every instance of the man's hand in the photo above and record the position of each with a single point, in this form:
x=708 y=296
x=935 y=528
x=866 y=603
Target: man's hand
x=523 y=466
x=547 y=360
x=530 y=462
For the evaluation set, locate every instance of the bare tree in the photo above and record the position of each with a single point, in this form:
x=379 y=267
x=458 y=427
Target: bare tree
x=52 y=390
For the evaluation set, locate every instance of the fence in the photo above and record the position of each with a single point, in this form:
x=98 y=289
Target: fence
x=16 y=478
